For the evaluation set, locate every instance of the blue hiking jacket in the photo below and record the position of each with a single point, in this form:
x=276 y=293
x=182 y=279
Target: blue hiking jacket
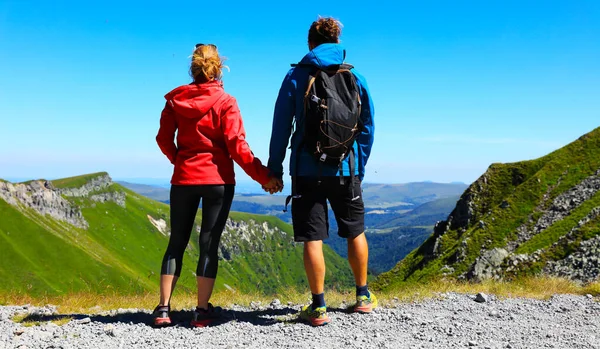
x=290 y=107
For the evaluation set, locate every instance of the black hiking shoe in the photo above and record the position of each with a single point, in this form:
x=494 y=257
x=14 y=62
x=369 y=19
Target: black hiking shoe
x=161 y=316
x=203 y=318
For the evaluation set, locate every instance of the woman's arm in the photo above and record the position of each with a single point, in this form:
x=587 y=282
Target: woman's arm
x=166 y=133
x=235 y=139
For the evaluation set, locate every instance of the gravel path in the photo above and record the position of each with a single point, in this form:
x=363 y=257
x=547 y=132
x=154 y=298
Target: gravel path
x=454 y=321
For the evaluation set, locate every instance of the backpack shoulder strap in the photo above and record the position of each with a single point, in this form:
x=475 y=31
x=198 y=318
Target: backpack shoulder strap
x=311 y=81
x=302 y=65
x=338 y=68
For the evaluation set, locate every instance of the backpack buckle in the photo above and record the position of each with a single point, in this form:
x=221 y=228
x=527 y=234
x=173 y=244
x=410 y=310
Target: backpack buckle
x=323 y=157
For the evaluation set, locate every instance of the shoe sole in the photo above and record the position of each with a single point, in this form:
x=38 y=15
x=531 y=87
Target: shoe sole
x=201 y=323
x=364 y=309
x=162 y=322
x=317 y=322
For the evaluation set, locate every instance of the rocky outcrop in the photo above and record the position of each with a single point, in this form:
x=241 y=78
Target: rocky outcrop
x=583 y=265
x=159 y=224
x=495 y=263
x=43 y=200
x=463 y=215
x=487 y=264
x=561 y=207
x=571 y=267
x=248 y=237
x=117 y=196
x=95 y=184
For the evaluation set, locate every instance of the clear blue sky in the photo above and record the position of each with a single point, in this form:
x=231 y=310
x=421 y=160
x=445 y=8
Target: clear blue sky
x=457 y=85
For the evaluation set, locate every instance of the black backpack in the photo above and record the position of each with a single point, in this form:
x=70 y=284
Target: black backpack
x=332 y=114
x=331 y=118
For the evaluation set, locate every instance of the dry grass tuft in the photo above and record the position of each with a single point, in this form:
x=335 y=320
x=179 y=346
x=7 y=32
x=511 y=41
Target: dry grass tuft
x=87 y=303
x=535 y=287
x=27 y=320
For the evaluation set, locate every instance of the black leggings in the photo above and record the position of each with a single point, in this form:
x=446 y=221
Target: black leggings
x=185 y=199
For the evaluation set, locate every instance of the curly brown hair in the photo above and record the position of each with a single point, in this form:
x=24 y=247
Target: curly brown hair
x=206 y=64
x=324 y=30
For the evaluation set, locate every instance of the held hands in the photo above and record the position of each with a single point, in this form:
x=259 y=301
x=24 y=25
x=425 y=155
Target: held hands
x=275 y=185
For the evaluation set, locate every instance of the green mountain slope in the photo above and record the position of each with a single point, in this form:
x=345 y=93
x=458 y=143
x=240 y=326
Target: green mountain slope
x=392 y=231
x=37 y=261
x=150 y=191
x=532 y=217
x=87 y=233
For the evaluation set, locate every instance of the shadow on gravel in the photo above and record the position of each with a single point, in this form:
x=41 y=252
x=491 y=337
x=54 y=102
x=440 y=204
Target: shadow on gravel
x=179 y=318
x=347 y=310
x=273 y=316
x=266 y=317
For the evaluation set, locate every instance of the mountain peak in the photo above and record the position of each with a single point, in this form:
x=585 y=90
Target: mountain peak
x=79 y=181
x=517 y=219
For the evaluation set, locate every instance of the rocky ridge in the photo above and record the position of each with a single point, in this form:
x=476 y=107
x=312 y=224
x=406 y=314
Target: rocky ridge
x=561 y=207
x=535 y=217
x=44 y=198
x=582 y=265
x=249 y=236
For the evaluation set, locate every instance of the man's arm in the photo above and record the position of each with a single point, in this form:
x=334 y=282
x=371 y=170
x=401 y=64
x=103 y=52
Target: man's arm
x=282 y=125
x=366 y=138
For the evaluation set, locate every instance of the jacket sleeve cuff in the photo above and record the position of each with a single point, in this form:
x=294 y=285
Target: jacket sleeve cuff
x=275 y=174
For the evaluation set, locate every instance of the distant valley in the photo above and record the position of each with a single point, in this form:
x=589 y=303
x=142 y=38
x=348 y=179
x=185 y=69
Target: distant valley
x=399 y=217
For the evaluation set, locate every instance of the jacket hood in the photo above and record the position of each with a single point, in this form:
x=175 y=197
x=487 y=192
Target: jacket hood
x=325 y=55
x=195 y=100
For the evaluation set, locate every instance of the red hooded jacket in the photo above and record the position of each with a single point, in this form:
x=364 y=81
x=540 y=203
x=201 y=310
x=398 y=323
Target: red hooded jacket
x=210 y=133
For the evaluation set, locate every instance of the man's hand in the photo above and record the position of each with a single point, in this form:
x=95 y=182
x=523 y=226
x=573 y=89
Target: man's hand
x=275 y=185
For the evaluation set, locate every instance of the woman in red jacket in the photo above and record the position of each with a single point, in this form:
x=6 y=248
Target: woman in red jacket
x=210 y=136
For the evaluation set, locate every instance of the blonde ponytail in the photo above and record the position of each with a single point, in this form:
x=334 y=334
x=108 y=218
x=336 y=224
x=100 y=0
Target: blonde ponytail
x=206 y=65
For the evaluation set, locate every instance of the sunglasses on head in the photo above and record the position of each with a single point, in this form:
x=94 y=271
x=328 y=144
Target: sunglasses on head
x=211 y=45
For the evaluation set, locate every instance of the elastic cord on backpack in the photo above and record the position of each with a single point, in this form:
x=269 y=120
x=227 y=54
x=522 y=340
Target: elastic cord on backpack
x=351 y=165
x=294 y=194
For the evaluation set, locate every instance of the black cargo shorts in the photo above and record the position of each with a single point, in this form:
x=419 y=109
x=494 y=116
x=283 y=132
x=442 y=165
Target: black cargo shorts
x=310 y=213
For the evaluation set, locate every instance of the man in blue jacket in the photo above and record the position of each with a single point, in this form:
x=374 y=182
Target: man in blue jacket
x=314 y=183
